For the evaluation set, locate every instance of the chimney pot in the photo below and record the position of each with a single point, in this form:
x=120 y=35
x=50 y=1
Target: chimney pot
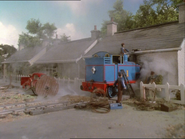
x=95 y=34
x=95 y=27
x=112 y=19
x=111 y=27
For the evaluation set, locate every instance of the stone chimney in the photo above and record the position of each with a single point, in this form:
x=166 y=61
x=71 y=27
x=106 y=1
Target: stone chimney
x=182 y=12
x=111 y=27
x=95 y=34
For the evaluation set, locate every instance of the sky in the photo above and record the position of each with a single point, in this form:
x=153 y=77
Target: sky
x=75 y=18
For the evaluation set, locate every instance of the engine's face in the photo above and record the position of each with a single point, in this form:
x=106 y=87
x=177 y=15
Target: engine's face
x=95 y=73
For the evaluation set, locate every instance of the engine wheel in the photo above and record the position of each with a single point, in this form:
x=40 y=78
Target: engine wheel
x=99 y=92
x=112 y=91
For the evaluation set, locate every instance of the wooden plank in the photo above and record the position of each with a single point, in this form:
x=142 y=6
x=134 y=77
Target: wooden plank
x=47 y=110
x=168 y=107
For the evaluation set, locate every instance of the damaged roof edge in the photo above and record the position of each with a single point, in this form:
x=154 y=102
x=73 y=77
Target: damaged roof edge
x=161 y=50
x=157 y=50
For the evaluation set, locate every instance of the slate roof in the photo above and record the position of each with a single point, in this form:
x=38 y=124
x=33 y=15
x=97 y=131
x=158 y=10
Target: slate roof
x=163 y=36
x=23 y=55
x=169 y=35
x=66 y=52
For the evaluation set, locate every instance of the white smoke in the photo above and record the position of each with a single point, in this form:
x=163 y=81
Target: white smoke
x=163 y=64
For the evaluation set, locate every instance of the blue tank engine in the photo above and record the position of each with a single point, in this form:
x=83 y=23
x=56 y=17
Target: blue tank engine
x=101 y=71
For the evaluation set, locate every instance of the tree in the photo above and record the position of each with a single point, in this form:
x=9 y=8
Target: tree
x=156 y=12
x=65 y=38
x=174 y=3
x=145 y=15
x=151 y=12
x=34 y=26
x=37 y=32
x=120 y=16
x=48 y=30
x=5 y=52
x=129 y=22
x=28 y=41
x=104 y=28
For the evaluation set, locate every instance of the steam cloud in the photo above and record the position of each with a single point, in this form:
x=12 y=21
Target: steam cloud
x=162 y=64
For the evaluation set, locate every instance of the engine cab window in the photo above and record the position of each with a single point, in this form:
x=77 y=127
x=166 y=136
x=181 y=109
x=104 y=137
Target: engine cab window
x=117 y=59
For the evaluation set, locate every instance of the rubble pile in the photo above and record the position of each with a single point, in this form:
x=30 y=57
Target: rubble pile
x=95 y=103
x=74 y=99
x=152 y=105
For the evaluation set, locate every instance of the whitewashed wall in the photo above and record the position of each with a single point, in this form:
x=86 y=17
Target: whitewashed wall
x=181 y=64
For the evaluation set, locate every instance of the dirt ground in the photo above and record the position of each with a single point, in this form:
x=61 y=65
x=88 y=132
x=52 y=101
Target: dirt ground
x=136 y=119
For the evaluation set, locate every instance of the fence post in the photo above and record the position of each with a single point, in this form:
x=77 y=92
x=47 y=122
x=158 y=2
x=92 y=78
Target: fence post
x=182 y=94
x=16 y=78
x=141 y=90
x=154 y=86
x=19 y=77
x=167 y=96
x=63 y=80
x=76 y=82
x=59 y=81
